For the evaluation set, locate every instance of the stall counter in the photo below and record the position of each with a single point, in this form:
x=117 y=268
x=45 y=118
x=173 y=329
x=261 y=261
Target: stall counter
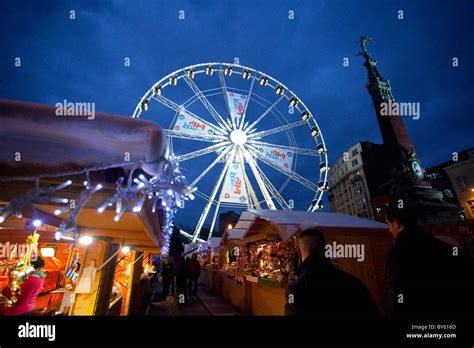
x=258 y=296
x=268 y=299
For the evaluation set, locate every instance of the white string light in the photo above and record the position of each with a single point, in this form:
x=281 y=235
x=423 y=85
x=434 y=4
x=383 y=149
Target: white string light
x=69 y=224
x=168 y=189
x=37 y=196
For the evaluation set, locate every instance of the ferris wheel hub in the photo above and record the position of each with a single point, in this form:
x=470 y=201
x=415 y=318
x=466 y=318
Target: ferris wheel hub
x=238 y=137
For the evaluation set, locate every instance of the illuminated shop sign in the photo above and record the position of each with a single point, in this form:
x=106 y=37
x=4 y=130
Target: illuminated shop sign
x=14 y=250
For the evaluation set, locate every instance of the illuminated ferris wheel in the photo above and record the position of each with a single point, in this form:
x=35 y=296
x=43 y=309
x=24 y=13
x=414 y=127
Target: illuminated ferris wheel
x=242 y=137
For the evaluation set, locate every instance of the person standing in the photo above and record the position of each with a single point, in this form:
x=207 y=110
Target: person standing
x=30 y=289
x=194 y=271
x=187 y=281
x=181 y=271
x=176 y=254
x=423 y=273
x=322 y=290
x=166 y=276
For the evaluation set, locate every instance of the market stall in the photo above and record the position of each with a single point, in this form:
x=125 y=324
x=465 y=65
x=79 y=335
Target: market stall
x=133 y=272
x=98 y=188
x=210 y=267
x=231 y=282
x=83 y=290
x=267 y=254
x=57 y=255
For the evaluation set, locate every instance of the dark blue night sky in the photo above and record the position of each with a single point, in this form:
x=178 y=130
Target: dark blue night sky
x=82 y=59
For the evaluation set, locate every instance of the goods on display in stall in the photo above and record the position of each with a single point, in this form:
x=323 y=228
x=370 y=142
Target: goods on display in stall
x=22 y=268
x=268 y=259
x=209 y=259
x=272 y=259
x=59 y=259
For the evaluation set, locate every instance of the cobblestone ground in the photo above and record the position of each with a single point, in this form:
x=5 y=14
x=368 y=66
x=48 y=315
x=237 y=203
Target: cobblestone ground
x=206 y=304
x=170 y=306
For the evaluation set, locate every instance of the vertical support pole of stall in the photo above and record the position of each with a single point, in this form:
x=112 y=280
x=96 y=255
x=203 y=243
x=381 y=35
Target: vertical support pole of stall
x=135 y=294
x=106 y=281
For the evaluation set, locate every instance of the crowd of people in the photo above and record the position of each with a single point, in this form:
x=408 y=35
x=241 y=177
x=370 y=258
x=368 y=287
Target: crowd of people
x=424 y=275
x=180 y=276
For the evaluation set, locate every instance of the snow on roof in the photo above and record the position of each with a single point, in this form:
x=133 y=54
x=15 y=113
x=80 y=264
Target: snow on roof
x=288 y=221
x=236 y=233
x=289 y=217
x=214 y=242
x=52 y=144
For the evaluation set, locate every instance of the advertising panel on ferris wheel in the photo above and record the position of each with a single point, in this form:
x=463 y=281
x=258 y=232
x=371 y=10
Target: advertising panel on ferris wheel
x=188 y=124
x=234 y=189
x=237 y=103
x=282 y=157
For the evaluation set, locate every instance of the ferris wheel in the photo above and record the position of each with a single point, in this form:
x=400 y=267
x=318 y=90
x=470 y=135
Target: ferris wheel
x=242 y=137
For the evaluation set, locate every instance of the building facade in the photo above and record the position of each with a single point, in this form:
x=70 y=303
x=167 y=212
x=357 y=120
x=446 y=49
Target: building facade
x=462 y=178
x=356 y=178
x=442 y=181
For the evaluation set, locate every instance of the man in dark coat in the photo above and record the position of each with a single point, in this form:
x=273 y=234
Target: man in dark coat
x=322 y=290
x=194 y=271
x=424 y=274
x=181 y=276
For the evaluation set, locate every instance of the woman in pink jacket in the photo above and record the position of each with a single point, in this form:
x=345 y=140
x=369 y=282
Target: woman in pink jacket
x=30 y=289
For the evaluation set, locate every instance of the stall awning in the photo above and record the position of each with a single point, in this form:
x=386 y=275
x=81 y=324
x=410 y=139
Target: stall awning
x=51 y=143
x=37 y=141
x=287 y=222
x=214 y=242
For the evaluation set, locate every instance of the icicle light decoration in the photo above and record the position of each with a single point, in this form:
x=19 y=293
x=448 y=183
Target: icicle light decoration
x=168 y=191
x=37 y=196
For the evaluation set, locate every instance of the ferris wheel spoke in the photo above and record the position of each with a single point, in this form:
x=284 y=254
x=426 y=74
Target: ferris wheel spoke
x=212 y=165
x=272 y=189
x=291 y=174
x=201 y=152
x=241 y=122
x=297 y=150
x=260 y=182
x=209 y=138
x=265 y=113
x=224 y=94
x=178 y=108
x=214 y=218
x=202 y=195
x=285 y=127
x=203 y=217
x=218 y=118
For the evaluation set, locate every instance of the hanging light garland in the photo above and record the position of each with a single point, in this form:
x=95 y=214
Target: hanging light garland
x=168 y=190
x=69 y=224
x=37 y=196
